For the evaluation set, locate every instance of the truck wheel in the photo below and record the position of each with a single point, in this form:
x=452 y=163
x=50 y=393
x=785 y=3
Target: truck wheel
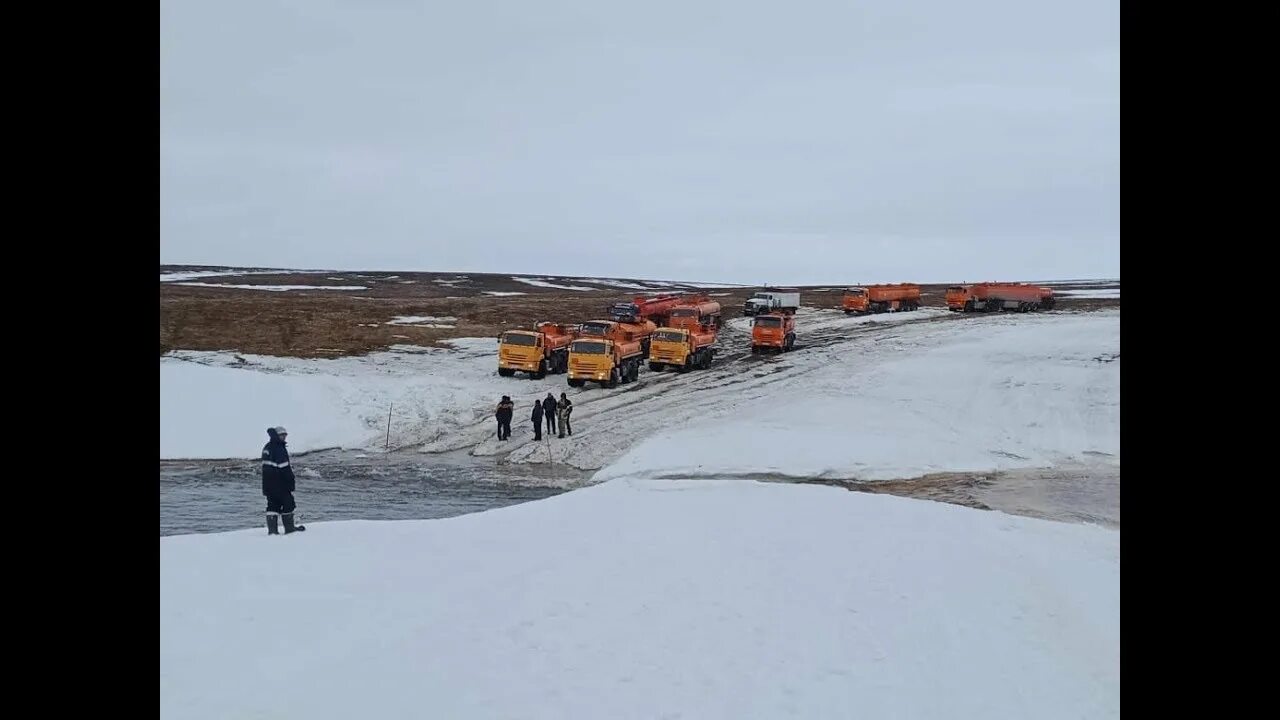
x=635 y=371
x=506 y=372
x=755 y=350
x=969 y=306
x=541 y=372
x=657 y=367
x=612 y=382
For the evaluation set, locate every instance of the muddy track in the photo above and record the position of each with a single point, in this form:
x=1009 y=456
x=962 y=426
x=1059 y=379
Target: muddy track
x=608 y=422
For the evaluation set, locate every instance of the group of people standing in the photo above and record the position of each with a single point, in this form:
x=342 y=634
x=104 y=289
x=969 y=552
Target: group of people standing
x=555 y=413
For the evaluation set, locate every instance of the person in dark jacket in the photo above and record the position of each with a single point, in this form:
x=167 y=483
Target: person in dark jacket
x=536 y=417
x=277 y=482
x=549 y=412
x=564 y=408
x=505 y=410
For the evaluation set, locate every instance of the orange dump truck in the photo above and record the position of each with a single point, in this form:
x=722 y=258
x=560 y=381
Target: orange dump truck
x=995 y=297
x=544 y=350
x=609 y=352
x=773 y=331
x=682 y=348
x=692 y=313
x=882 y=298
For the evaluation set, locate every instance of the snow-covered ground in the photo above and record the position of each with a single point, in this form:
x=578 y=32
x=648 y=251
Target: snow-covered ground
x=625 y=285
x=182 y=275
x=427 y=321
x=544 y=284
x=1002 y=392
x=214 y=406
x=677 y=587
x=1096 y=282
x=650 y=599
x=1101 y=293
x=501 y=293
x=276 y=288
x=880 y=396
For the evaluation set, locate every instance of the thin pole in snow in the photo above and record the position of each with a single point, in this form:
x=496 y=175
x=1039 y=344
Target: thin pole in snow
x=388 y=444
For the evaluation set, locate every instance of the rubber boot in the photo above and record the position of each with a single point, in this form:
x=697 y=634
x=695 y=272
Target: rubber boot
x=272 y=526
x=288 y=524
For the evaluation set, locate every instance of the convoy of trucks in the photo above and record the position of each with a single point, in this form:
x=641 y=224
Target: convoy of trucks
x=681 y=332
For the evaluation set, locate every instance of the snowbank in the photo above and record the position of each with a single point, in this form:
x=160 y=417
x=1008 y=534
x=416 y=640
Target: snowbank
x=658 y=599
x=214 y=406
x=991 y=393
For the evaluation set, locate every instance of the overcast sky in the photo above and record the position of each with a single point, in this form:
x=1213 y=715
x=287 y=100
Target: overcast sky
x=830 y=141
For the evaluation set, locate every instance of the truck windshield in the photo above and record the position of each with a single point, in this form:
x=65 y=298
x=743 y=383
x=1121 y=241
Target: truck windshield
x=769 y=322
x=955 y=289
x=519 y=339
x=584 y=347
x=762 y=296
x=669 y=336
x=856 y=291
x=595 y=328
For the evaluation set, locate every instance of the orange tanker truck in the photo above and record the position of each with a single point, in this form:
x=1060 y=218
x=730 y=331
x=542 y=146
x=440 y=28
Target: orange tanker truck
x=683 y=348
x=773 y=331
x=995 y=297
x=882 y=298
x=693 y=312
x=609 y=352
x=656 y=309
x=544 y=350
